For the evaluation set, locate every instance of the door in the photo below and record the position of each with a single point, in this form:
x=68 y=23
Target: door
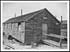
x=44 y=28
x=44 y=31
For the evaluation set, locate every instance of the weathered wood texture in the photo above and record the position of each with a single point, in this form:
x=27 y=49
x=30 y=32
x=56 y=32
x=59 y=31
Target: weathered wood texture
x=30 y=30
x=33 y=27
x=17 y=31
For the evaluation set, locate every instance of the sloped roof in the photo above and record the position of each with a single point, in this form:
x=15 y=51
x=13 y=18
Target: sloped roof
x=27 y=16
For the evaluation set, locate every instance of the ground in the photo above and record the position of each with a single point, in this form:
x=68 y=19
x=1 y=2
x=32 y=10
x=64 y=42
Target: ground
x=8 y=45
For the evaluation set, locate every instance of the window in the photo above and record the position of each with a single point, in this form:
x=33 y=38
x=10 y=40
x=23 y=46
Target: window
x=57 y=23
x=21 y=26
x=19 y=23
x=44 y=17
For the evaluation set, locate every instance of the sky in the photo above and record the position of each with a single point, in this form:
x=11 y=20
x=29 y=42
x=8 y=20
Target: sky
x=9 y=9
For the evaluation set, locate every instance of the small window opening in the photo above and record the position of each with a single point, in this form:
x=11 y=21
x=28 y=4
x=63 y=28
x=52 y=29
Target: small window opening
x=19 y=23
x=44 y=17
x=57 y=23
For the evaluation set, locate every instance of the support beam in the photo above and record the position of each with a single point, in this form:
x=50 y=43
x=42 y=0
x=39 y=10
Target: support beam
x=61 y=34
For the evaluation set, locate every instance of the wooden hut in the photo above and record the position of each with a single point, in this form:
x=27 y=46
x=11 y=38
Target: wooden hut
x=31 y=27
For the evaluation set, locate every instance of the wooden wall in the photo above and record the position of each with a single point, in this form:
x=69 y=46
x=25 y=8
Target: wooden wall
x=53 y=27
x=31 y=30
x=17 y=31
x=33 y=27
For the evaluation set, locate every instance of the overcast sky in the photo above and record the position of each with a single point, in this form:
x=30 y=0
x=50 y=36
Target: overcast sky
x=58 y=9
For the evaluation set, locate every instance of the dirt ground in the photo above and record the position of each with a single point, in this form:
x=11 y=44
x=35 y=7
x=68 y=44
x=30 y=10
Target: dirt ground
x=8 y=45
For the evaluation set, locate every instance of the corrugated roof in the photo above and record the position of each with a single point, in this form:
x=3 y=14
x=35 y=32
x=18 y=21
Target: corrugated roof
x=26 y=16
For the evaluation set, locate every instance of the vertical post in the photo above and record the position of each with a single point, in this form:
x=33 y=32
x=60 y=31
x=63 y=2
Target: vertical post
x=61 y=34
x=21 y=11
x=19 y=25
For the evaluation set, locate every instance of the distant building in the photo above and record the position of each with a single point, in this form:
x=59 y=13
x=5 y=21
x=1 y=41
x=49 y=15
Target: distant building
x=31 y=27
x=64 y=28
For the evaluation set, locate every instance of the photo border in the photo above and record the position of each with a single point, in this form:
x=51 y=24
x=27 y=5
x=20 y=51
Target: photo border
x=36 y=49
x=34 y=0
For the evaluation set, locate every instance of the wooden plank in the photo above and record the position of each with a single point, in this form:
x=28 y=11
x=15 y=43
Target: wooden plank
x=3 y=27
x=52 y=43
x=22 y=32
x=57 y=36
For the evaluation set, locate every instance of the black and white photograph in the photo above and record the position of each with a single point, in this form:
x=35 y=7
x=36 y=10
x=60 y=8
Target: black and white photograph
x=35 y=25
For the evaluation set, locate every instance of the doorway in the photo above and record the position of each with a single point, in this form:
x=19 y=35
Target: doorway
x=44 y=31
x=44 y=28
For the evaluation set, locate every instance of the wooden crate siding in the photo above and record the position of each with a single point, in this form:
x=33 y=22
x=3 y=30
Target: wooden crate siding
x=9 y=29
x=35 y=25
x=52 y=27
x=19 y=34
x=28 y=33
x=13 y=29
x=23 y=32
x=38 y=27
x=3 y=27
x=35 y=35
x=51 y=23
x=6 y=30
x=53 y=38
x=31 y=30
x=50 y=17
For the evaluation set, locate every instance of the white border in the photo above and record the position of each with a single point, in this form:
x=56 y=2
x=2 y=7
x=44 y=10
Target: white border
x=37 y=49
